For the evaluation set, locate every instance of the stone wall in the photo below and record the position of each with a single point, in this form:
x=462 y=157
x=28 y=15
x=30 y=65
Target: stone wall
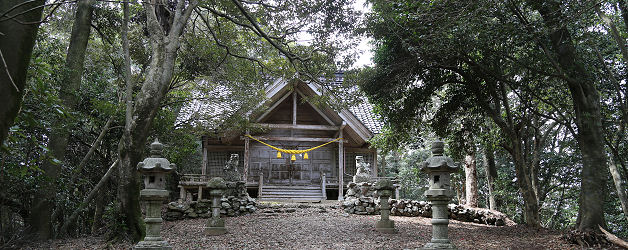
x=362 y=199
x=235 y=202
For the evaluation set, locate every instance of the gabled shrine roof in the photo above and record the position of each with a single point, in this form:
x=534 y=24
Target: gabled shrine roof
x=210 y=109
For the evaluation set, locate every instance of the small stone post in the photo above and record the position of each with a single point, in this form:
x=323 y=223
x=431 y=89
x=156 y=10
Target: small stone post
x=384 y=190
x=154 y=169
x=215 y=224
x=439 y=168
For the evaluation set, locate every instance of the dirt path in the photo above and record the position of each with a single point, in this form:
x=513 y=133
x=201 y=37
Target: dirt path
x=313 y=228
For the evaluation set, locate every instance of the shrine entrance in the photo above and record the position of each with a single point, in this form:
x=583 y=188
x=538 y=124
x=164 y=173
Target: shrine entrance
x=301 y=172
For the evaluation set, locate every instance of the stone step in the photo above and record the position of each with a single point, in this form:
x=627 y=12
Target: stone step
x=292 y=199
x=290 y=195
x=290 y=191
x=292 y=187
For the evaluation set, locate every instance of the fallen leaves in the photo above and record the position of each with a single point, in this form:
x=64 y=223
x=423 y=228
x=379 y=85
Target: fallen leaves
x=308 y=228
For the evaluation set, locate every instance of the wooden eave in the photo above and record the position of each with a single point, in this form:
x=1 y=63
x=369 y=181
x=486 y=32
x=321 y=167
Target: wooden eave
x=355 y=133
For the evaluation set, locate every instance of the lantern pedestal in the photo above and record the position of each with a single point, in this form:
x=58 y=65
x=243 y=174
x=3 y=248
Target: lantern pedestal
x=153 y=198
x=215 y=224
x=386 y=226
x=384 y=190
x=440 y=222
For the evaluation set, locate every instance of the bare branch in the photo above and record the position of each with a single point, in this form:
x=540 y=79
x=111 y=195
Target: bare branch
x=56 y=5
x=291 y=57
x=4 y=63
x=226 y=47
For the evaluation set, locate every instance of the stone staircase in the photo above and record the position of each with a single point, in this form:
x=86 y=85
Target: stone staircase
x=292 y=193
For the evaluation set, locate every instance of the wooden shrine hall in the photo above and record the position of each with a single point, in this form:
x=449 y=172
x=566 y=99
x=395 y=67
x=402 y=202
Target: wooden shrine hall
x=291 y=122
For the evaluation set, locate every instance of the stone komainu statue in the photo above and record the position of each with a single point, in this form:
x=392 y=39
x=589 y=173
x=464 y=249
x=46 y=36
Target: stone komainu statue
x=231 y=169
x=363 y=170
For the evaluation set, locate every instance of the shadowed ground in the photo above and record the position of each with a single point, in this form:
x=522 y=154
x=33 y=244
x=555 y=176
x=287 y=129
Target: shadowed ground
x=310 y=228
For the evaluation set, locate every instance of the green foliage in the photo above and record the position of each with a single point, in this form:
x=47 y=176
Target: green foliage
x=115 y=225
x=477 y=75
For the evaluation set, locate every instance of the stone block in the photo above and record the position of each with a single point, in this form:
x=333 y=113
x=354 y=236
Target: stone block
x=386 y=226
x=153 y=245
x=173 y=215
x=215 y=226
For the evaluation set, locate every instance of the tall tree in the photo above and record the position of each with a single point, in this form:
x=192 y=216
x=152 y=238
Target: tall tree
x=164 y=34
x=41 y=211
x=19 y=22
x=586 y=101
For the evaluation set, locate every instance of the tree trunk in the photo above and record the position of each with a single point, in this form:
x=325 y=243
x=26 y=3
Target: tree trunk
x=98 y=212
x=586 y=103
x=621 y=192
x=18 y=38
x=43 y=201
x=530 y=201
x=164 y=45
x=491 y=174
x=471 y=180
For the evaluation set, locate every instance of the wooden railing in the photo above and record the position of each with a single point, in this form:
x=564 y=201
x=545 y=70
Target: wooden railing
x=194 y=178
x=260 y=185
x=324 y=185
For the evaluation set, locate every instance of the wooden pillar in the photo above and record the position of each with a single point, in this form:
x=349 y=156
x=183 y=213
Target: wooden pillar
x=181 y=194
x=375 y=170
x=260 y=185
x=294 y=111
x=324 y=185
x=204 y=148
x=246 y=158
x=294 y=108
x=341 y=163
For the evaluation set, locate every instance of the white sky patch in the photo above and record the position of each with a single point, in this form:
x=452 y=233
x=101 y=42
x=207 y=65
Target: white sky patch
x=365 y=53
x=364 y=48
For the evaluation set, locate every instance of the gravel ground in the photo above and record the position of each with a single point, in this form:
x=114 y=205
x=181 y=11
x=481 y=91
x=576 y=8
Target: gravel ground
x=309 y=228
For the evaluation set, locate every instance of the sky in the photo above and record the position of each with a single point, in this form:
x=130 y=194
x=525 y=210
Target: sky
x=363 y=49
x=365 y=57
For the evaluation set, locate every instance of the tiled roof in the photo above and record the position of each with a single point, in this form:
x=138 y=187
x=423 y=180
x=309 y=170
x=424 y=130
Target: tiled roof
x=209 y=110
x=364 y=112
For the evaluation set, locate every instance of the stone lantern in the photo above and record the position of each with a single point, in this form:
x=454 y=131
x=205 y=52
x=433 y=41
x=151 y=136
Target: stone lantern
x=439 y=168
x=384 y=190
x=154 y=169
x=215 y=224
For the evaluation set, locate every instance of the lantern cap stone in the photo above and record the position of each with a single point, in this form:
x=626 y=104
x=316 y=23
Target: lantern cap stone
x=155 y=149
x=438 y=162
x=155 y=163
x=216 y=183
x=384 y=184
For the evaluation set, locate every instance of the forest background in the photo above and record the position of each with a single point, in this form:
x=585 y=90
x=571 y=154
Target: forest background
x=530 y=96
